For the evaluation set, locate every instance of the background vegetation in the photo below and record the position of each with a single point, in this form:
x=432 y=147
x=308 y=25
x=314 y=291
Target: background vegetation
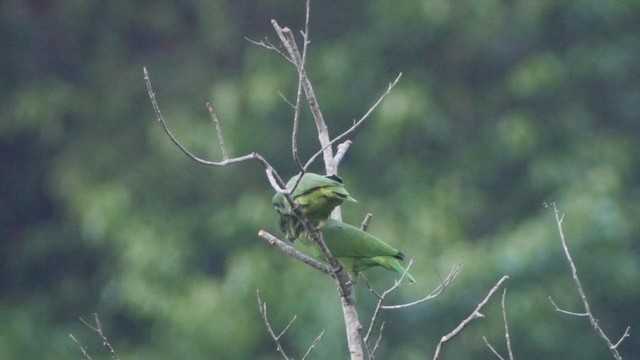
x=503 y=105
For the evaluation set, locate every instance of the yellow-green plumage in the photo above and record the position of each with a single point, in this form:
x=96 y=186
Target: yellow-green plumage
x=355 y=249
x=316 y=195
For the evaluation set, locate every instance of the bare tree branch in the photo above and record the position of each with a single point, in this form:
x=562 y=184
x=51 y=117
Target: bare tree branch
x=98 y=329
x=301 y=84
x=288 y=40
x=266 y=43
x=342 y=150
x=82 y=348
x=225 y=161
x=381 y=298
x=506 y=331
x=276 y=338
x=291 y=251
x=507 y=337
x=476 y=314
x=216 y=124
x=435 y=292
x=356 y=124
x=493 y=350
x=372 y=352
x=366 y=222
x=587 y=309
x=313 y=345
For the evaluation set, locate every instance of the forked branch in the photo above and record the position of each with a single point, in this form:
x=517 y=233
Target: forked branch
x=103 y=338
x=444 y=283
x=585 y=303
x=507 y=337
x=276 y=337
x=476 y=314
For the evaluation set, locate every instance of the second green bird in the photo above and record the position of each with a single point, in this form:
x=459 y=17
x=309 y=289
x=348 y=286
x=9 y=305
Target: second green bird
x=355 y=249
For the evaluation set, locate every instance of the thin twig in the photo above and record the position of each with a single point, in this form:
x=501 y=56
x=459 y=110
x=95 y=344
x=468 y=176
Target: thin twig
x=437 y=291
x=216 y=123
x=506 y=324
x=381 y=298
x=82 y=348
x=103 y=337
x=557 y=308
x=266 y=43
x=377 y=343
x=314 y=344
x=276 y=338
x=587 y=309
x=492 y=348
x=506 y=330
x=366 y=222
x=226 y=161
x=273 y=177
x=476 y=314
x=357 y=123
x=301 y=80
x=288 y=40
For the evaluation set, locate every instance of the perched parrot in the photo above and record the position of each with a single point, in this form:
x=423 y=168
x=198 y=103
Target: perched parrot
x=355 y=249
x=316 y=195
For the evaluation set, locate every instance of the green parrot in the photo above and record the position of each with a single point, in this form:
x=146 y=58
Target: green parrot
x=316 y=195
x=355 y=249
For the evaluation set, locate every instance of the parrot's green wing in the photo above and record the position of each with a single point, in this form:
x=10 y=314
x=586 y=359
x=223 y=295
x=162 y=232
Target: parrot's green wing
x=345 y=240
x=357 y=250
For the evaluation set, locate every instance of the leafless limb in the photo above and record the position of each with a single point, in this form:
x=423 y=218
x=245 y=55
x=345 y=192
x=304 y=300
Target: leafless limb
x=493 y=350
x=372 y=352
x=444 y=283
x=355 y=125
x=216 y=123
x=291 y=251
x=587 y=309
x=266 y=43
x=507 y=337
x=98 y=329
x=382 y=297
x=224 y=162
x=366 y=222
x=342 y=150
x=476 y=314
x=314 y=344
x=276 y=338
x=289 y=42
x=82 y=348
x=397 y=283
x=506 y=331
x=301 y=85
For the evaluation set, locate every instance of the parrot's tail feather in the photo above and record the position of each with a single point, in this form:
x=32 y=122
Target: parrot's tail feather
x=401 y=270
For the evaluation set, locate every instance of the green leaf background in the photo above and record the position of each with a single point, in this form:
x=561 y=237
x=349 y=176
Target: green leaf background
x=503 y=106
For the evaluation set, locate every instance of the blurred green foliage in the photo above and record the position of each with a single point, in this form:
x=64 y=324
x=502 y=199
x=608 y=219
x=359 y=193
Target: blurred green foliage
x=503 y=105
